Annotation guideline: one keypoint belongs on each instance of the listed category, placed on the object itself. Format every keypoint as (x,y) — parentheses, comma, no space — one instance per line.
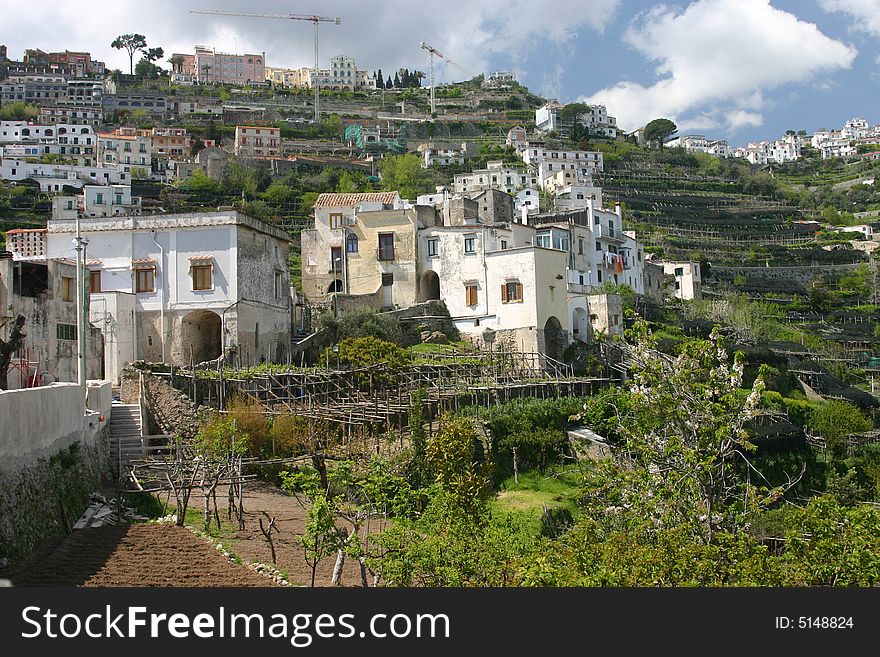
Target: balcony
(608,234)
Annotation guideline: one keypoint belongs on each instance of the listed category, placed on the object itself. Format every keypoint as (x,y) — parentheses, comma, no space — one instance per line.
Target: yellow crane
(293,17)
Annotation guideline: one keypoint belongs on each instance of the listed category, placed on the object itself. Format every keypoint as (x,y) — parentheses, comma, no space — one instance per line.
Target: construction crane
(293,17)
(431,52)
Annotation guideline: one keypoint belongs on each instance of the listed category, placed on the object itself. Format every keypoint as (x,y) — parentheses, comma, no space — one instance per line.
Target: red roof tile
(351,200)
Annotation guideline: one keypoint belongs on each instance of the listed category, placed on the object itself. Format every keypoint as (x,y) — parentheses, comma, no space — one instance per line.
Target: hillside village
(351,265)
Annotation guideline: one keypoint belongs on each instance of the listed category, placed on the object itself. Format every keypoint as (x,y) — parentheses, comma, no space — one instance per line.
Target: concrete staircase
(126,441)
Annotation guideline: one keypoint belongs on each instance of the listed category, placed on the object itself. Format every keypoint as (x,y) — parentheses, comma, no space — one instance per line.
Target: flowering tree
(685,438)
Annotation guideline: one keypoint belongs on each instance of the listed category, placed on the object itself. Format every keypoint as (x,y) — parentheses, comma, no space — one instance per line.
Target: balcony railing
(604,232)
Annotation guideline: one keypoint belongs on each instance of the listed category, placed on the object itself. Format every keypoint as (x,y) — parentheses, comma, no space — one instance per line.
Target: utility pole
(81,317)
(295,17)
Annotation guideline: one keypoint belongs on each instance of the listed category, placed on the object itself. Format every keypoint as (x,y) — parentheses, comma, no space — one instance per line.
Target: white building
(496,175)
(548,118)
(201,285)
(126,147)
(787,149)
(699,143)
(97,201)
(686,283)
(500,80)
(257,141)
(547,162)
(442,155)
(54,177)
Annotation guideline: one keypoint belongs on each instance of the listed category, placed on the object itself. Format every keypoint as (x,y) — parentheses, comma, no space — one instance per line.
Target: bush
(250,418)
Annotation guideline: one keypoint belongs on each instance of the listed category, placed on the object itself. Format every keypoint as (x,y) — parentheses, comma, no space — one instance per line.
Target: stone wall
(801,276)
(166,411)
(53,453)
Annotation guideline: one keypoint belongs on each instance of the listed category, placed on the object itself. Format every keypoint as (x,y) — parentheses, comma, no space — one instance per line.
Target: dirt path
(136,555)
(250,544)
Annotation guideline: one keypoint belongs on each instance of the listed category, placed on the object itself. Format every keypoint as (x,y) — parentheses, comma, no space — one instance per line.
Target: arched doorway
(580,324)
(429,286)
(554,338)
(335,287)
(200,338)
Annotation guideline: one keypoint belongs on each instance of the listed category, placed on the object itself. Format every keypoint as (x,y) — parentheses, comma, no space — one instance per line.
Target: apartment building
(210,66)
(496,175)
(127,147)
(257,141)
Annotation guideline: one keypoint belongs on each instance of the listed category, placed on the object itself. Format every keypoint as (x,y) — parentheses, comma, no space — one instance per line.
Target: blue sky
(740,69)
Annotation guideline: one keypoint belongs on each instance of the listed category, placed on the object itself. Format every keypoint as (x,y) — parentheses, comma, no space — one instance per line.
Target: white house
(547,162)
(202,284)
(496,175)
(53,177)
(127,147)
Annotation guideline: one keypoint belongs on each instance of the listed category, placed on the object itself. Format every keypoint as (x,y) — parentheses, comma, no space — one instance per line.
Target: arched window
(351,243)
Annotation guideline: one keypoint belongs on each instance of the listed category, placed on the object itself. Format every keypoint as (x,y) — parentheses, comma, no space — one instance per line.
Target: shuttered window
(471,295)
(512,292)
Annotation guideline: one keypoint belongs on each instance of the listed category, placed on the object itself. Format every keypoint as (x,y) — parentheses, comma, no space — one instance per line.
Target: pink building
(223,68)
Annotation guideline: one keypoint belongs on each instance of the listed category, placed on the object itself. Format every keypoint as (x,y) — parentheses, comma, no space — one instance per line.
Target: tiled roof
(351,200)
(143,262)
(201,258)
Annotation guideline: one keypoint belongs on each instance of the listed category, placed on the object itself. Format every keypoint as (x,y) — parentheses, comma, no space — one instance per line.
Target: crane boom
(295,17)
(431,52)
(314,19)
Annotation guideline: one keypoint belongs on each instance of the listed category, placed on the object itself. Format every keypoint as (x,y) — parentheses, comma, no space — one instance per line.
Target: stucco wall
(53,453)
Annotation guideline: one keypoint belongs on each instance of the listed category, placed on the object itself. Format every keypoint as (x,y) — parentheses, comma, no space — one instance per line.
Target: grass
(536,490)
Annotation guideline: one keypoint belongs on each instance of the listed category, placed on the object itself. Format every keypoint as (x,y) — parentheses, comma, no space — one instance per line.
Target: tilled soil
(136,555)
(251,545)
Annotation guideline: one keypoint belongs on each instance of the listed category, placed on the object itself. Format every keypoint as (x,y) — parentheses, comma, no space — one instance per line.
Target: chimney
(525,214)
(618,211)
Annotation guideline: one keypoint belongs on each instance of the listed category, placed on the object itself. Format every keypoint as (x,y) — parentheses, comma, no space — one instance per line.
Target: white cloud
(715,59)
(865,13)
(476,34)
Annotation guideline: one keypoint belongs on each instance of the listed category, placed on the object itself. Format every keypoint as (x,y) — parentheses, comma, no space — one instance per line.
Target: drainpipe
(162,294)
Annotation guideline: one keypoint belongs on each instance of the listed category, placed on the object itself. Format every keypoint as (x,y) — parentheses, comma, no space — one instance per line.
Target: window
(598,246)
(279,284)
(433,247)
(68,288)
(144,280)
(202,277)
(679,271)
(386,246)
(387,280)
(543,239)
(580,246)
(99,199)
(351,243)
(511,292)
(503,245)
(65,331)
(470,243)
(335,258)
(471,294)
(95,281)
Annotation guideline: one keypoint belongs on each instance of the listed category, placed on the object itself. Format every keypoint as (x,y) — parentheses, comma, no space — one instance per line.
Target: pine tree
(389,84)
(396,81)
(380,82)
(405,81)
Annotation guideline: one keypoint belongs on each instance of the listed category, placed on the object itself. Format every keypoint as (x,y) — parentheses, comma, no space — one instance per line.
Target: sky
(743,70)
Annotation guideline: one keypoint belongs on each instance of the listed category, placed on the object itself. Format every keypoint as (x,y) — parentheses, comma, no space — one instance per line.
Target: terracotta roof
(92,262)
(16,231)
(201,258)
(143,262)
(351,200)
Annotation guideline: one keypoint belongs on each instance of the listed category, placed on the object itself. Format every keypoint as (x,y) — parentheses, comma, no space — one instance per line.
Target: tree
(380,81)
(835,420)
(659,130)
(686,438)
(176,62)
(131,43)
(10,346)
(389,84)
(18,111)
